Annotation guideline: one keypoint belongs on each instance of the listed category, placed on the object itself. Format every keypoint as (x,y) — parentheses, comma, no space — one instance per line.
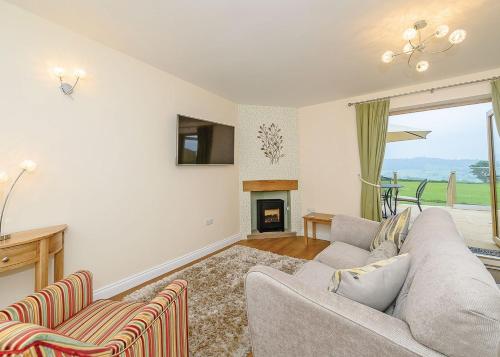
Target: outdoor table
(389,195)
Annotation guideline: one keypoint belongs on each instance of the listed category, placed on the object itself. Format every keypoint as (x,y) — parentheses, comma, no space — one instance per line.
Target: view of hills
(430,168)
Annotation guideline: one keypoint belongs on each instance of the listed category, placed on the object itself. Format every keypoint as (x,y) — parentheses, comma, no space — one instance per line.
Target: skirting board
(134,280)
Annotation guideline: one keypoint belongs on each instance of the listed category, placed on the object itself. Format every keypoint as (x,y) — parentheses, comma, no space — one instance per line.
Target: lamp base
(4,237)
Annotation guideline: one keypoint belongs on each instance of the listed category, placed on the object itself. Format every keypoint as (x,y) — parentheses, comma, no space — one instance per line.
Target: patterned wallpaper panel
(254,165)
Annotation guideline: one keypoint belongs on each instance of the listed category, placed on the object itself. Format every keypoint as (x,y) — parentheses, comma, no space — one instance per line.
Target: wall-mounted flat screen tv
(201,142)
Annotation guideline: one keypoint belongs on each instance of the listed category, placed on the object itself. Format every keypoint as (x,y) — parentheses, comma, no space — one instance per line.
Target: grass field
(435,192)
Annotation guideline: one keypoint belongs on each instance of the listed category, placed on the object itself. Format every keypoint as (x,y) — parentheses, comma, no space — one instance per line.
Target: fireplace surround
(286,190)
(270,215)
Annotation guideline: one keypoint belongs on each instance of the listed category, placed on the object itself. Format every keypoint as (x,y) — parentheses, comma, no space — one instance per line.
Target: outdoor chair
(418,195)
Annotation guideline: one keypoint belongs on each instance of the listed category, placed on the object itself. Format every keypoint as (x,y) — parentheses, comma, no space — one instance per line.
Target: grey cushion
(353,230)
(375,285)
(315,274)
(385,250)
(341,255)
(449,300)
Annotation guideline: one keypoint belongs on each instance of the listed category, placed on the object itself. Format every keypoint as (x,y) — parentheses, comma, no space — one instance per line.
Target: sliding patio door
(494,155)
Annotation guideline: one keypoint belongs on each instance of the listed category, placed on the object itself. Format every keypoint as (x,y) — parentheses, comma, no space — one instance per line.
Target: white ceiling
(282,52)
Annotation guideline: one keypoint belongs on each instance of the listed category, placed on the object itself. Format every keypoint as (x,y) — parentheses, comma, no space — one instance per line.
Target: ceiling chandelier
(419,44)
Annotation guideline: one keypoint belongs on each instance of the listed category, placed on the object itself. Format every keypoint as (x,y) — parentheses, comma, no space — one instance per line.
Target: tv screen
(201,142)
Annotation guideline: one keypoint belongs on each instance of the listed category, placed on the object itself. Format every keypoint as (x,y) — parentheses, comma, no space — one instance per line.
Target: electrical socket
(209,221)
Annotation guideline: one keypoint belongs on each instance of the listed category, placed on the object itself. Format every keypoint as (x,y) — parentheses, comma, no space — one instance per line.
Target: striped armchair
(62,320)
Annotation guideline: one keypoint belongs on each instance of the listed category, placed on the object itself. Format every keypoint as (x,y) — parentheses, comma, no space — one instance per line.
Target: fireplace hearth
(270,215)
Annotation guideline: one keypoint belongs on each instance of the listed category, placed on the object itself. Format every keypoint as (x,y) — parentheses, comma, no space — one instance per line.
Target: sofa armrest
(24,339)
(164,320)
(353,230)
(288,318)
(54,304)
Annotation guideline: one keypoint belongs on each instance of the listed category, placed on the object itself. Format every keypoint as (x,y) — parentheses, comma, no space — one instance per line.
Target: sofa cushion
(99,322)
(385,250)
(394,229)
(375,285)
(450,301)
(340,255)
(315,274)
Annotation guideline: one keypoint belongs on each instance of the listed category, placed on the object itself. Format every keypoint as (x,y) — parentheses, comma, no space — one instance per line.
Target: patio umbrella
(403,133)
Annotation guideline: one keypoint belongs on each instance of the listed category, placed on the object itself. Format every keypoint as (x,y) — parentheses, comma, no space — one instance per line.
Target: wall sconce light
(67,88)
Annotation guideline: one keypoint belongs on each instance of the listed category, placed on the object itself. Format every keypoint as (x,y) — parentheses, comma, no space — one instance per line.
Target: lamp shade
(28,165)
(4,177)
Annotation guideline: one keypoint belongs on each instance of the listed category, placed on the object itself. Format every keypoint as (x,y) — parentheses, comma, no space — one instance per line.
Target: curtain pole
(431,90)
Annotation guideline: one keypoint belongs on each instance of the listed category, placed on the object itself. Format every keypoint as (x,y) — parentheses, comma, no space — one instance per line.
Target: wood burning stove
(270,215)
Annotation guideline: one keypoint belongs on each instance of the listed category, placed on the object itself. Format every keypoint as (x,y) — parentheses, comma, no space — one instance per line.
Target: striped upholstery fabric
(100,321)
(23,339)
(159,329)
(105,328)
(56,303)
(393,229)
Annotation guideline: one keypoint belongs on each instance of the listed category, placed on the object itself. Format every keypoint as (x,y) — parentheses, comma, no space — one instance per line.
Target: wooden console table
(315,218)
(34,247)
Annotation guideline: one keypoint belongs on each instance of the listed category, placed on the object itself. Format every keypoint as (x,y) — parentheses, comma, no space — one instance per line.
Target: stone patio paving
(473,222)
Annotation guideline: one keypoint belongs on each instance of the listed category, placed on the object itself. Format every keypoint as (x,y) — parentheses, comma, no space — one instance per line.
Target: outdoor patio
(473,222)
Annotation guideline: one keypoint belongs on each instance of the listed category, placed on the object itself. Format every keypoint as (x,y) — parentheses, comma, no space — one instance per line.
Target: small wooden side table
(34,247)
(315,218)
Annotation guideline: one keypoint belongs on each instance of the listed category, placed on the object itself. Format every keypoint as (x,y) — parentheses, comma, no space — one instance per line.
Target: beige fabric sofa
(449,303)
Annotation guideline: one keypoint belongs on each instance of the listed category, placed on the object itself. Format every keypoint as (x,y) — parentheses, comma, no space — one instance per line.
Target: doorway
(457,158)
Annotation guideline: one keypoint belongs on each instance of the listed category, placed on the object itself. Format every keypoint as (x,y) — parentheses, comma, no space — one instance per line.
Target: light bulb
(442,30)
(80,73)
(58,71)
(28,165)
(4,177)
(457,36)
(422,66)
(409,34)
(408,48)
(388,56)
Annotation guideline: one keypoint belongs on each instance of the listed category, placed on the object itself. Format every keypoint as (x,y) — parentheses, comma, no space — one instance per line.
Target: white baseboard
(133,280)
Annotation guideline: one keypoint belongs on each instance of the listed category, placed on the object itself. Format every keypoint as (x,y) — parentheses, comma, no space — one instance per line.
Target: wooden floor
(290,246)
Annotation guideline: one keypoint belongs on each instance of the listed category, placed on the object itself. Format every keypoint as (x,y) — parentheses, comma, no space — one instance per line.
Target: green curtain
(495,95)
(371,119)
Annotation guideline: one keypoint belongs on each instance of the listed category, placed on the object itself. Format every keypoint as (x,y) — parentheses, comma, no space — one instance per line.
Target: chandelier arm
(441,51)
(428,38)
(409,58)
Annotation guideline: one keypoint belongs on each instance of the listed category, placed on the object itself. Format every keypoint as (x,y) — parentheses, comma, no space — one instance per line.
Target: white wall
(328,150)
(106,156)
(255,166)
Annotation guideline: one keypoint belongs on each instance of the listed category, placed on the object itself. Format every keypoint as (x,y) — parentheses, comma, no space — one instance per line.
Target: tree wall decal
(272,142)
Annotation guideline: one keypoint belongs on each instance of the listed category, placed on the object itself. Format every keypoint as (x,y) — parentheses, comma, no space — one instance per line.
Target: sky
(457,133)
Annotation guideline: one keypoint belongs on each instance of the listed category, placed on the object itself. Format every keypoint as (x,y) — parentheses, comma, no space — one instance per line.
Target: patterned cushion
(56,303)
(100,321)
(387,249)
(375,285)
(33,340)
(393,229)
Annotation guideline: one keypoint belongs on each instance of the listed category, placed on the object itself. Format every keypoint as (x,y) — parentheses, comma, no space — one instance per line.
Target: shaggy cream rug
(216,300)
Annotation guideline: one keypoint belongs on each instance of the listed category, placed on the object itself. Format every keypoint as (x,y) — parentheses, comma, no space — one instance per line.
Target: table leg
(42,265)
(314,230)
(305,230)
(59,265)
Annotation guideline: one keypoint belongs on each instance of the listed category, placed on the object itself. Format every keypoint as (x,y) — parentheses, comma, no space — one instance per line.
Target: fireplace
(270,215)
